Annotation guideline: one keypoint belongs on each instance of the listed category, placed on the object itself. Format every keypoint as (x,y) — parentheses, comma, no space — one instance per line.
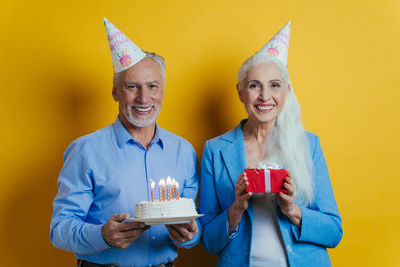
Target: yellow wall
(56,86)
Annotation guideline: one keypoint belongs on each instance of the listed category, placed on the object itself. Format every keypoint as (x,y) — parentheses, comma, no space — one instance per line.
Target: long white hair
(287,143)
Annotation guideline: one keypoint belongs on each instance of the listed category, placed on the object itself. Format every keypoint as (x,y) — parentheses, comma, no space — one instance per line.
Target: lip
(142,110)
(264,108)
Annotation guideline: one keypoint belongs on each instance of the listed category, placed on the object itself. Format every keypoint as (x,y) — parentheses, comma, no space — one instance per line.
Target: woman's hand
(241,202)
(286,202)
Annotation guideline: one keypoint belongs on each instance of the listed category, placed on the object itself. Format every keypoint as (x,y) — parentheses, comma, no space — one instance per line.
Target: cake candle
(177,190)
(162,184)
(152,190)
(169,188)
(173,188)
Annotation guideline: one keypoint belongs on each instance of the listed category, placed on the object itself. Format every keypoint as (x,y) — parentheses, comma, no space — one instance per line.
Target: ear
(289,87)
(114,94)
(239,92)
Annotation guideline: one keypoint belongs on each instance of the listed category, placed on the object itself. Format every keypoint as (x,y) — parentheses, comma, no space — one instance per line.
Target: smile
(142,109)
(265,107)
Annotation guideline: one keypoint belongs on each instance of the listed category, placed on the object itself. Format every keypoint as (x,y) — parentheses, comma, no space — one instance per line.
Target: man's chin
(141,122)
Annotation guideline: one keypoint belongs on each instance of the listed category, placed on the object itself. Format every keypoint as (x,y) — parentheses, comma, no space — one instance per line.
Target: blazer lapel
(233,155)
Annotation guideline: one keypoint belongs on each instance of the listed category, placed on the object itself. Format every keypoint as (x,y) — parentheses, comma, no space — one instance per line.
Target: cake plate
(166,220)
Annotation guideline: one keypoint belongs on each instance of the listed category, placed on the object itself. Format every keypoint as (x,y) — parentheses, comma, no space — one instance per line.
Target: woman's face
(263,92)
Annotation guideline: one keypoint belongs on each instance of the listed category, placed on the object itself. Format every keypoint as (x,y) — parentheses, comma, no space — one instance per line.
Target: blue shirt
(108,172)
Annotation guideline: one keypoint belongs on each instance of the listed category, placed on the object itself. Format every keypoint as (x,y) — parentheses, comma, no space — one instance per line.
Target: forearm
(77,237)
(234,217)
(295,215)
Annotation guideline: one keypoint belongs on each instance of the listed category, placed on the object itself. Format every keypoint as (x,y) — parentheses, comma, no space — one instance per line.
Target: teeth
(141,109)
(264,107)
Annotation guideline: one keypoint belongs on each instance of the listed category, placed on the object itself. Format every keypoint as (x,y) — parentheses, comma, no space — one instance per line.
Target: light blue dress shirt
(108,172)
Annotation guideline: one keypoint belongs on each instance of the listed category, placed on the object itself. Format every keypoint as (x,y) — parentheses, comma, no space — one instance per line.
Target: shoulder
(92,140)
(314,144)
(218,142)
(172,140)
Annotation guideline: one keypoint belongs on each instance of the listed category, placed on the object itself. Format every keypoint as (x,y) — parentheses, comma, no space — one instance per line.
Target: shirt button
(289,248)
(153,237)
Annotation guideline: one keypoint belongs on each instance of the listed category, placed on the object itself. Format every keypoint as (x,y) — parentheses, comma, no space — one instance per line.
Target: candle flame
(173,181)
(177,185)
(161,182)
(169,180)
(153,184)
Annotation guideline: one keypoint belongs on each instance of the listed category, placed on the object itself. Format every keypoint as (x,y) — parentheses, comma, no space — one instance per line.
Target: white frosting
(183,207)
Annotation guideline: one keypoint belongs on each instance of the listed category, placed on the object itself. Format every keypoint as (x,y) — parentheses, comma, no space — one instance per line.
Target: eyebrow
(155,81)
(136,83)
(270,81)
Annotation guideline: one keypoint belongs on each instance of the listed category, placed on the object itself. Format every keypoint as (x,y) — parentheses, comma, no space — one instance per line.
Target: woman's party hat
(278,46)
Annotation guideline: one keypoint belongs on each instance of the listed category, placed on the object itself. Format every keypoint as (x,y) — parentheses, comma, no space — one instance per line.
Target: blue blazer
(223,160)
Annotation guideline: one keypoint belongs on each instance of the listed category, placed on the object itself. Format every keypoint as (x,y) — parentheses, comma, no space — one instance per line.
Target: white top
(267,248)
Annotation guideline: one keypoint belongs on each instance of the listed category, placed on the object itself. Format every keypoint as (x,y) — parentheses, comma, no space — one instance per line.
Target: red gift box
(266,180)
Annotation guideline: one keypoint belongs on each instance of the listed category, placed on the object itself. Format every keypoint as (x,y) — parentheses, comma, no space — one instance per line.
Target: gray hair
(287,144)
(157,58)
(259,59)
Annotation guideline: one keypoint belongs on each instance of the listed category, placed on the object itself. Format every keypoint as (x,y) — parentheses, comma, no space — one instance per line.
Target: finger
(192,227)
(126,226)
(119,217)
(242,187)
(289,188)
(174,235)
(245,196)
(285,198)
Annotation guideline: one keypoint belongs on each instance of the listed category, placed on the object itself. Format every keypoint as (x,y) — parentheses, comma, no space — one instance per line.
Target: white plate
(166,220)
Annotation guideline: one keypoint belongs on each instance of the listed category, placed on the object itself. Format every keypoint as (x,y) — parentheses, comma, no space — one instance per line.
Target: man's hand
(120,234)
(184,232)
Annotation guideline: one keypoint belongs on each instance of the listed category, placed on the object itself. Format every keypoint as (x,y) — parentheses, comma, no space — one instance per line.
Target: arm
(68,229)
(215,220)
(321,223)
(188,235)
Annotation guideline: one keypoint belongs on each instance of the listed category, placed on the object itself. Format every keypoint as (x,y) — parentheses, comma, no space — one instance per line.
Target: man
(107,172)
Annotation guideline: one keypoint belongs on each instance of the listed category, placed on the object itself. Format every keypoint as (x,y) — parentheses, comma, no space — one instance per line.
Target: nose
(143,96)
(265,93)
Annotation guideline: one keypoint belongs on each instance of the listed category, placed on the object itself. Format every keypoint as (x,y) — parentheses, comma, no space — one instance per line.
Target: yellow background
(56,78)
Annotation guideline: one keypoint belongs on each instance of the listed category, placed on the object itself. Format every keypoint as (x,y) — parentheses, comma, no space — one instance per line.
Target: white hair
(287,144)
(158,59)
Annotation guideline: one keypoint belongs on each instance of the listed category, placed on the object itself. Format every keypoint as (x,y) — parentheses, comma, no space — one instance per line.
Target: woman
(285,229)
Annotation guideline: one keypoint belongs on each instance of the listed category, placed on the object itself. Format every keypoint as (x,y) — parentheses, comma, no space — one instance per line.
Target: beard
(141,121)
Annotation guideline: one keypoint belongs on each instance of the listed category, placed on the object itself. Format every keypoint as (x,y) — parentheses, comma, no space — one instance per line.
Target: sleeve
(190,189)
(321,222)
(215,220)
(68,229)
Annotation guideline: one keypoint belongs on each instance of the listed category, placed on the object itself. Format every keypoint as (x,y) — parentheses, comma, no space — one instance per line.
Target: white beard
(141,122)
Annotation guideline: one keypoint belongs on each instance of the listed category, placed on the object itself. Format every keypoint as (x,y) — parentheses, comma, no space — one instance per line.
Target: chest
(255,152)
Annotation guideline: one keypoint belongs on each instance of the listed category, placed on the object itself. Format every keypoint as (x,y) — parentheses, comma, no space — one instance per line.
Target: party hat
(278,46)
(124,52)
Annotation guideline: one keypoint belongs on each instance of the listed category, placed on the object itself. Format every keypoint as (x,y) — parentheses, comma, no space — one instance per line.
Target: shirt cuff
(95,235)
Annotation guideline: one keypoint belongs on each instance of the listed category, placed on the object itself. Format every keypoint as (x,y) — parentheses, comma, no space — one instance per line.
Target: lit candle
(177,190)
(169,188)
(159,191)
(162,183)
(153,184)
(173,188)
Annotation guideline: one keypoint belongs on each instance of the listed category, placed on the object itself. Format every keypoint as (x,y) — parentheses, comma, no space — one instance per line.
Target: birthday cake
(182,207)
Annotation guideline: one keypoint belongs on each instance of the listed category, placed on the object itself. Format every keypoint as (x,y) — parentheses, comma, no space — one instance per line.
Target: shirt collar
(123,136)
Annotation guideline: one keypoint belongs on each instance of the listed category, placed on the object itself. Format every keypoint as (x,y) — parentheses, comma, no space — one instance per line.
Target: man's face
(140,92)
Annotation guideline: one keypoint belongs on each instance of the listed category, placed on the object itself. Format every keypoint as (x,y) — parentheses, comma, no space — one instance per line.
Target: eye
(276,85)
(153,86)
(253,85)
(132,86)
